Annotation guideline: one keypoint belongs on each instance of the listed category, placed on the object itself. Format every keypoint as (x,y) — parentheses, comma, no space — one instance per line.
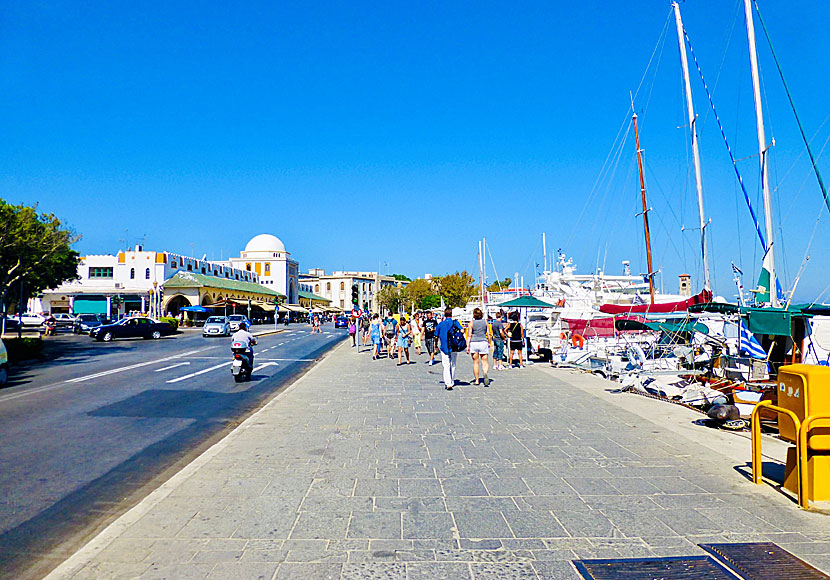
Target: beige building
(337,287)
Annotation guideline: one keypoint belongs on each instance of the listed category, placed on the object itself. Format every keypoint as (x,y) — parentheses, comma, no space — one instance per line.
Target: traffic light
(355,299)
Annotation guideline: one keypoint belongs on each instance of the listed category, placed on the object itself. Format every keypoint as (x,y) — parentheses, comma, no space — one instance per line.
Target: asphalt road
(88,434)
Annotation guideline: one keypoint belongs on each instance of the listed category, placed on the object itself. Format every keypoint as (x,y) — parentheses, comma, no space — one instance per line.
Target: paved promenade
(368,470)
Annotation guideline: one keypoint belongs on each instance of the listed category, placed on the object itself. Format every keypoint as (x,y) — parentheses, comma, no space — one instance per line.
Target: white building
(266,256)
(337,287)
(127,282)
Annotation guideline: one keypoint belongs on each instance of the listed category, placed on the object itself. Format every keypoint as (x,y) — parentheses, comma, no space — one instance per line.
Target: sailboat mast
(769,260)
(695,153)
(545,253)
(645,209)
(480,281)
(484,266)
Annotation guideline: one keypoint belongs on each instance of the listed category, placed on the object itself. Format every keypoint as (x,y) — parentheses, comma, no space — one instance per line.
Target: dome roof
(265,243)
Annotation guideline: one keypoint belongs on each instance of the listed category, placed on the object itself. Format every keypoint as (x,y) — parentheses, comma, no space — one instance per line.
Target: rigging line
(801,154)
(803,183)
(725,52)
(660,41)
(795,112)
(493,263)
(726,142)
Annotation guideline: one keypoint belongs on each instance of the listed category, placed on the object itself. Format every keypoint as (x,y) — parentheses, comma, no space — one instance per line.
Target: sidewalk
(363,469)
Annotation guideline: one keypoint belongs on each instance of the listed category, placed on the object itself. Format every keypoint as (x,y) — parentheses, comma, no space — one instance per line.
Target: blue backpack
(455,338)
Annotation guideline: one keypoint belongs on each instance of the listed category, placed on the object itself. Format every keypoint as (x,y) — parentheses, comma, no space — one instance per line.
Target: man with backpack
(451,336)
(390,330)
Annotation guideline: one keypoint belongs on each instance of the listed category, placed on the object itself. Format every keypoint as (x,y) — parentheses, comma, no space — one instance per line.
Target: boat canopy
(665,326)
(715,307)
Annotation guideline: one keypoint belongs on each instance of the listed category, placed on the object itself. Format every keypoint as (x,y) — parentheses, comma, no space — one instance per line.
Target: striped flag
(748,345)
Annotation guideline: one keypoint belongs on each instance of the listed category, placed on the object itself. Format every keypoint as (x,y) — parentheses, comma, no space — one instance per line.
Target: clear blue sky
(402,133)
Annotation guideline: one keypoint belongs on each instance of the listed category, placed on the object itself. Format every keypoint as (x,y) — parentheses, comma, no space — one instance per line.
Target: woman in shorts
(479,337)
(517,339)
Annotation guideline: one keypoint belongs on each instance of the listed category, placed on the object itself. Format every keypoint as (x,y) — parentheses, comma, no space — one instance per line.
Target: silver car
(235,319)
(217,326)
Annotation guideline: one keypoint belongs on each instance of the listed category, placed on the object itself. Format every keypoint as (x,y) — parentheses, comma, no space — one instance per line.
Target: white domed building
(266,256)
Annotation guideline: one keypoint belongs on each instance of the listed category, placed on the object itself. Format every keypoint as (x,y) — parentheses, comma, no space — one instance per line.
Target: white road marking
(262,366)
(171,367)
(131,367)
(201,372)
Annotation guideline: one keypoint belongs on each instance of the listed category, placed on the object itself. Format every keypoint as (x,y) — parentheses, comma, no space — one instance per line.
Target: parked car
(4,364)
(30,319)
(136,327)
(11,324)
(235,319)
(64,320)
(86,322)
(341,322)
(217,326)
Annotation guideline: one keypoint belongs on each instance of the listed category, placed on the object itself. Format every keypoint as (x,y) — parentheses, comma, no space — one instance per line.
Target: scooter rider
(249,340)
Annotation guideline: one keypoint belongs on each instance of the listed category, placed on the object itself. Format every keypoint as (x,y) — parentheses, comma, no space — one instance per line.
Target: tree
(457,289)
(416,291)
(35,250)
(401,277)
(498,286)
(390,298)
(430,302)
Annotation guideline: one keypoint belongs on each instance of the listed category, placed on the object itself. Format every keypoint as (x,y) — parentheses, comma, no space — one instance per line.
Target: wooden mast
(645,209)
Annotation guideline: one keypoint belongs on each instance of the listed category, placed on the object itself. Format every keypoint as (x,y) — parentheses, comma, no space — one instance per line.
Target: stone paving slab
(364,469)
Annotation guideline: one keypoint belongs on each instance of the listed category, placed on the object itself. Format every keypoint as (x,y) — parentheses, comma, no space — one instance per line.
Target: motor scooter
(51,327)
(241,367)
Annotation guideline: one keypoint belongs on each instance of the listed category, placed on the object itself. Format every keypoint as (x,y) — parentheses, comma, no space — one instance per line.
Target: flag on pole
(748,345)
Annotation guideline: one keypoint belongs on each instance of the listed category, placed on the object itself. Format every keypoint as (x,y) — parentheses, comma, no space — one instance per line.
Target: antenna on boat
(645,205)
(769,258)
(695,153)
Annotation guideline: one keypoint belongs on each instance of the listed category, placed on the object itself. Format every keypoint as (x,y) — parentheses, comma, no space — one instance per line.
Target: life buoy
(578,341)
(636,354)
(563,336)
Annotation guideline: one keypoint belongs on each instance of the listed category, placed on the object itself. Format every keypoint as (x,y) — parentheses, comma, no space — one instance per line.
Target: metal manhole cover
(764,561)
(674,568)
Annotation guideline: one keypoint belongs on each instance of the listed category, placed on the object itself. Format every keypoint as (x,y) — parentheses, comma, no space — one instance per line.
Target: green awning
(524,302)
(674,327)
(768,321)
(312,296)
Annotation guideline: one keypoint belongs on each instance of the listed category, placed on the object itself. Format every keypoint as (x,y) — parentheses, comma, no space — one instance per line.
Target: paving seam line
(721,442)
(113,531)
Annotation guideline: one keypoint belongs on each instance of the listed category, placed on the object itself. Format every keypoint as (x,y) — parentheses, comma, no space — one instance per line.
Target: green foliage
(20,349)
(430,302)
(401,277)
(390,298)
(497,286)
(174,322)
(35,249)
(457,289)
(416,291)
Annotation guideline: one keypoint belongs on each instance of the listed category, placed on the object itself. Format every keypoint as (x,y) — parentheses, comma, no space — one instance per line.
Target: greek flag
(749,345)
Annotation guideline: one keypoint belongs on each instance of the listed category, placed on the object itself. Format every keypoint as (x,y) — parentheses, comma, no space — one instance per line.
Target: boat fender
(724,413)
(635,353)
(578,341)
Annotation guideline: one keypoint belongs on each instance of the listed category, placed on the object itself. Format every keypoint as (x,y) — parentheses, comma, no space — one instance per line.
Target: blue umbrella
(201,309)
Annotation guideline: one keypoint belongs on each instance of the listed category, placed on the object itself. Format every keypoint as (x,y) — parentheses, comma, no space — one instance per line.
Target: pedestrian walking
(478,346)
(497,330)
(403,337)
(390,331)
(376,331)
(353,331)
(417,331)
(429,336)
(448,357)
(315,324)
(364,328)
(517,339)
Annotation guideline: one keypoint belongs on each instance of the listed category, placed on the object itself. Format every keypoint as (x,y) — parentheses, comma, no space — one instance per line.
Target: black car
(341,322)
(86,322)
(137,327)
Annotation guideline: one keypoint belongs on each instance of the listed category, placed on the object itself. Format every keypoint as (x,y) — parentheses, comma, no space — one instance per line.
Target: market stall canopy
(294,308)
(524,302)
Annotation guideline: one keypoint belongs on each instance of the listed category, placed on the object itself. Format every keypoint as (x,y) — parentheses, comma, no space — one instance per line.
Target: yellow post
(757,465)
(755,426)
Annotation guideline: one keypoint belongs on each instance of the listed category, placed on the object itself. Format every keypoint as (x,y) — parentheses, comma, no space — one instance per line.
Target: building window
(328,287)
(189,268)
(147,274)
(248,267)
(100,272)
(316,288)
(173,265)
(342,286)
(267,268)
(132,273)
